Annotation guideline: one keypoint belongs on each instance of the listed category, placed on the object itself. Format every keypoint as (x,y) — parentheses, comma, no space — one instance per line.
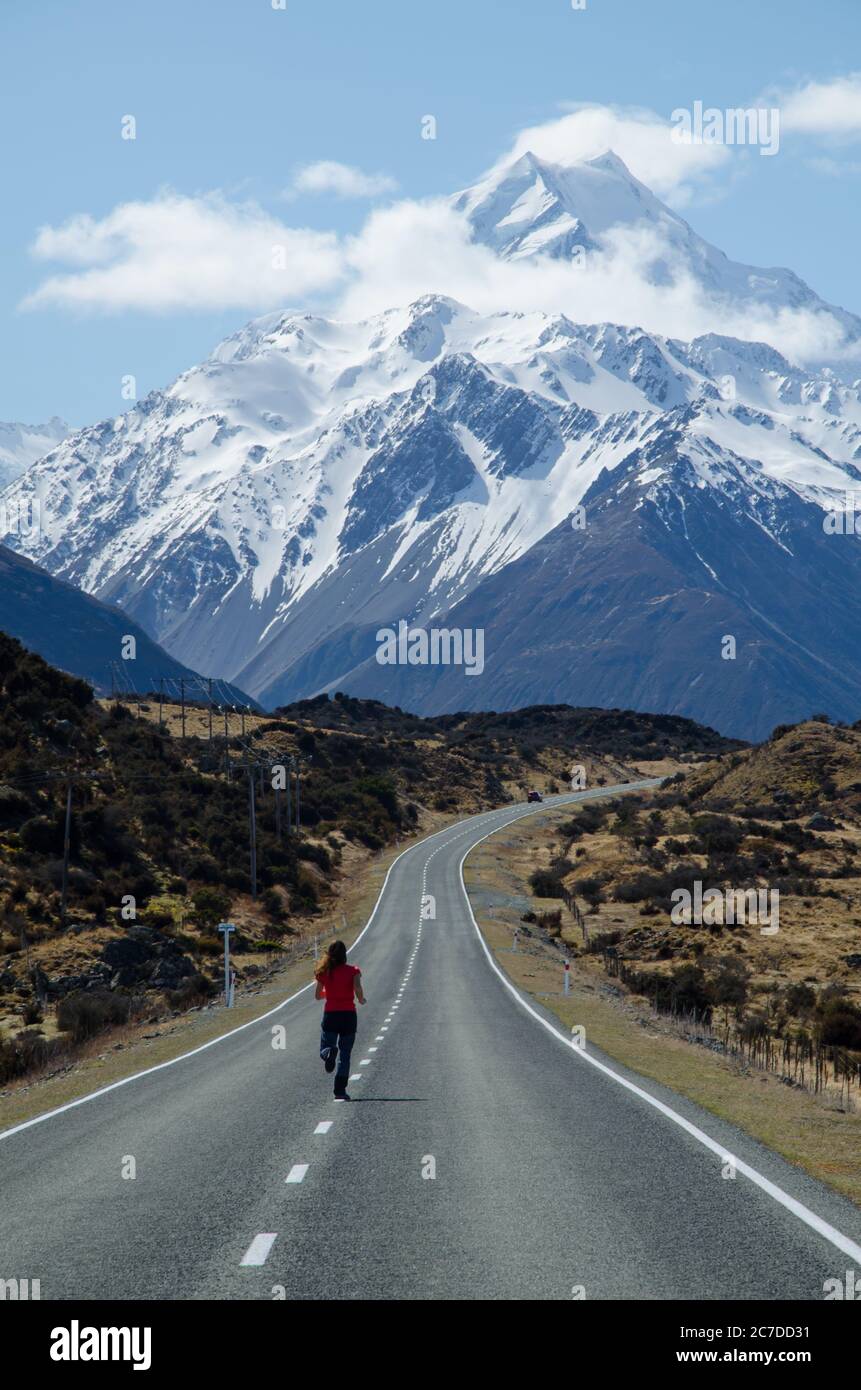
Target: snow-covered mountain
(315,480)
(530,208)
(21,445)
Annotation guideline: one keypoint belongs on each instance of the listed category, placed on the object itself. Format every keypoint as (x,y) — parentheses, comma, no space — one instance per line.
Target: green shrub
(592,889)
(273,903)
(41,835)
(840,1024)
(799,998)
(29,1052)
(197,989)
(89,1012)
(211,906)
(546,884)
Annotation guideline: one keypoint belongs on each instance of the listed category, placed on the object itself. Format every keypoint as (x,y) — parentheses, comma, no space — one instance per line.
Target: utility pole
(252,831)
(161,702)
(210,709)
(67,840)
(182,701)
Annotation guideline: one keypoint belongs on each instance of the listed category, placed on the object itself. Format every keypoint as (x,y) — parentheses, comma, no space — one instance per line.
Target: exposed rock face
(142,959)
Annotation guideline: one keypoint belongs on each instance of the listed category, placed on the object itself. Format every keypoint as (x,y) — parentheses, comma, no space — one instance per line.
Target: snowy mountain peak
(21,445)
(531,208)
(521,210)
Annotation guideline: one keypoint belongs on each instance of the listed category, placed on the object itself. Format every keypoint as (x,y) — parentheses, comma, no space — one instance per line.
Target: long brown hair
(335,954)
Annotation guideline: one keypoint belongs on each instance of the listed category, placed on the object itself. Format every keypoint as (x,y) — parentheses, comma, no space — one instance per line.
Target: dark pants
(339,1030)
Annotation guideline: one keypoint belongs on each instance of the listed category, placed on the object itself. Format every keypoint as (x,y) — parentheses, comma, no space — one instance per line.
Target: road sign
(227,928)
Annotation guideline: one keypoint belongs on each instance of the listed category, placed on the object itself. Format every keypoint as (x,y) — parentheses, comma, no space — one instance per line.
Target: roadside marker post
(567,976)
(227,928)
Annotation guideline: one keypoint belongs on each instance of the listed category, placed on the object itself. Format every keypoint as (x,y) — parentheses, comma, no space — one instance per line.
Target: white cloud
(641,138)
(824,108)
(416,248)
(176,252)
(343,180)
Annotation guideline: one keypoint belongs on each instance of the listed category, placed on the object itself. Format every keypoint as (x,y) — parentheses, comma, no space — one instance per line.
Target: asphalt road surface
(555,1170)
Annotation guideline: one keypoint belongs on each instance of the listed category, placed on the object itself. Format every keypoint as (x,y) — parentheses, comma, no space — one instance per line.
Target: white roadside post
(227,928)
(567,975)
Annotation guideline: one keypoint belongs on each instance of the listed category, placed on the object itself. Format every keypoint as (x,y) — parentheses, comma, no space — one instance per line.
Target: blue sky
(231,97)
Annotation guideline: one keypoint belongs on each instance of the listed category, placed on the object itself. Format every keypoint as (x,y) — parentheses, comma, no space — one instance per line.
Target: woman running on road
(340,985)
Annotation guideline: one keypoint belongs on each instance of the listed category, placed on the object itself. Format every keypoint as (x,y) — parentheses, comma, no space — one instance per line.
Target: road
(555,1172)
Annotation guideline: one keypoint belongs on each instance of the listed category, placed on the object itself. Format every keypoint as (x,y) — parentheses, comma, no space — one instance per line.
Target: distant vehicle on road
(535,796)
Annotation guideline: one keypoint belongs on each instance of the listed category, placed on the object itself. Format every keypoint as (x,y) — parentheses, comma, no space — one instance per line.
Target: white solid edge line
(824,1228)
(172,1062)
(183,1056)
(258,1250)
(297,1172)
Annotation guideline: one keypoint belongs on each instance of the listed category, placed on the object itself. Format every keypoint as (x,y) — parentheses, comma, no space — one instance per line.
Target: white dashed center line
(259,1249)
(297,1172)
(323,1127)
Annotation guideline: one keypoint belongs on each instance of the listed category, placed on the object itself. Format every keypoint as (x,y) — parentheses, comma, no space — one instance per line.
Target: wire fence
(798,1058)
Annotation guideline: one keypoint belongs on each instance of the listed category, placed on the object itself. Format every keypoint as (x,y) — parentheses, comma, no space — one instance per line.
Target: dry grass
(196,718)
(796,764)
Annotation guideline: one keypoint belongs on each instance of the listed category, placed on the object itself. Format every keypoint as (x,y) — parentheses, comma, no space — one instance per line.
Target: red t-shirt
(339,989)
